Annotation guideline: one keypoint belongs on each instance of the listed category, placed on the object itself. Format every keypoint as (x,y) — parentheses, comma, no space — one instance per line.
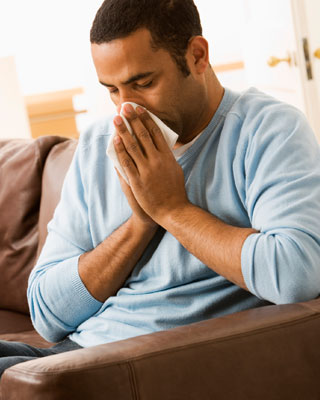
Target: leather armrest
(271,352)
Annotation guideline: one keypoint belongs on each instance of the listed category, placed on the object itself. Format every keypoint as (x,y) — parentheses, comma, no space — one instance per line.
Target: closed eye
(144,85)
(113,90)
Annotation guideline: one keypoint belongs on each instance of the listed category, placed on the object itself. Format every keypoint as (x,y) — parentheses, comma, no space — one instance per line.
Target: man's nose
(128,98)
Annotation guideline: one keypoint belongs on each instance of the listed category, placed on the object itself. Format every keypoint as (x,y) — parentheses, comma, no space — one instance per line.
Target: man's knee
(17,349)
(8,349)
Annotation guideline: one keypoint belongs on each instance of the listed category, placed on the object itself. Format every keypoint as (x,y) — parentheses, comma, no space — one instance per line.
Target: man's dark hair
(171,24)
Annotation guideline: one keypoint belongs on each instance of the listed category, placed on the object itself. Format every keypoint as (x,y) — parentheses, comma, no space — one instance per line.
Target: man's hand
(138,215)
(155,177)
(157,184)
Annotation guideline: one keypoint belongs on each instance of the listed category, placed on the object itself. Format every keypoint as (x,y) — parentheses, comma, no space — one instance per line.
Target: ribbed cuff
(72,302)
(247,262)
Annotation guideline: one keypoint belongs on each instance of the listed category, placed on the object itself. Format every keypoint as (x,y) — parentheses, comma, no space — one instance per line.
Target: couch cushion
(21,165)
(28,337)
(18,327)
(13,322)
(56,167)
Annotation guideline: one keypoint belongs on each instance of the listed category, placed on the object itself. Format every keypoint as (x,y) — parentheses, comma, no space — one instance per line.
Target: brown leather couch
(269,353)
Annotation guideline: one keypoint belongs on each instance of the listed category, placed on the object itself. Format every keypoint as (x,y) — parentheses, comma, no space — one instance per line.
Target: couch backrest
(21,166)
(54,172)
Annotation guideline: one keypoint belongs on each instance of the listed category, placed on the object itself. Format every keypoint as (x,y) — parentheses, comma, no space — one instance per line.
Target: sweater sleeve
(281,264)
(58,299)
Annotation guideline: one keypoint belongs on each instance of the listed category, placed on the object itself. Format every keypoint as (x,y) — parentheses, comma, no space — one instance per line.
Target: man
(225,222)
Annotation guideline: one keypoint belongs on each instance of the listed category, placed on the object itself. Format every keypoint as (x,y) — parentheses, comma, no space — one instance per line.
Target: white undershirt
(182,149)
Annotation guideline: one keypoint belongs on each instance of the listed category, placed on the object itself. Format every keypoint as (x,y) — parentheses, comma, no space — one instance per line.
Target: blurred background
(48,84)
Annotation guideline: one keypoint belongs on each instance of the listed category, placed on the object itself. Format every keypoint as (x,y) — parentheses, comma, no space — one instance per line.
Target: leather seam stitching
(133,381)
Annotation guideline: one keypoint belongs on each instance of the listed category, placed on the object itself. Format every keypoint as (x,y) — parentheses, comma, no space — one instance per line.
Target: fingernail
(116,140)
(140,110)
(128,108)
(118,120)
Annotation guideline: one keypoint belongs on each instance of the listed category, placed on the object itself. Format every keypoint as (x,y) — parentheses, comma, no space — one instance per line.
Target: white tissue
(170,137)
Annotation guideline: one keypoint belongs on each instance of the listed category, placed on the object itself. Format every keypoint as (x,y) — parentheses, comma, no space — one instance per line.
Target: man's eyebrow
(130,80)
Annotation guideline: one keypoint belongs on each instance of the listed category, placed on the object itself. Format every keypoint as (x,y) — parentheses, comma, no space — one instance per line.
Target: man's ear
(198,52)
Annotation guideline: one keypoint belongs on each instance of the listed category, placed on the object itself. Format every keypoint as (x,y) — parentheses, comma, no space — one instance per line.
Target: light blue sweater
(257,164)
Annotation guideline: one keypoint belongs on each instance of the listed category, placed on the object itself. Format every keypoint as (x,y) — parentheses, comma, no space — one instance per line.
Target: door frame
(309,86)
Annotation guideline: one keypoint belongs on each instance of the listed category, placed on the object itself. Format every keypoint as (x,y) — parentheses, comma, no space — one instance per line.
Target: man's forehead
(120,70)
(118,54)
(125,58)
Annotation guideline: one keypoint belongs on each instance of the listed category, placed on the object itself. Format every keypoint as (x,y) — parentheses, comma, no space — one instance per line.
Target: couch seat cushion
(18,328)
(28,337)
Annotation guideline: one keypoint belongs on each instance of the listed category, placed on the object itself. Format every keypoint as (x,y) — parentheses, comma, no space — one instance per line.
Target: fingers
(134,150)
(125,187)
(123,183)
(146,130)
(153,129)
(130,142)
(125,160)
(141,132)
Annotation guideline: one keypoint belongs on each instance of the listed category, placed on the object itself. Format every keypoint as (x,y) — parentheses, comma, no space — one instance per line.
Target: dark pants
(12,353)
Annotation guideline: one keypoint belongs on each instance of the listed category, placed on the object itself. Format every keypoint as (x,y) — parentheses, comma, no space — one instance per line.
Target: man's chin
(171,125)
